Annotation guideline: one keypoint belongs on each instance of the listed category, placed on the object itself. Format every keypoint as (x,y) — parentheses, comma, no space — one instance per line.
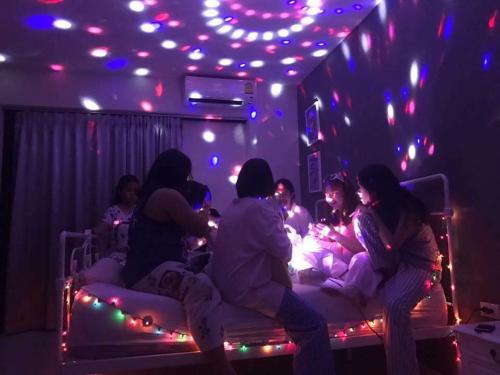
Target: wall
(442,115)
(273,129)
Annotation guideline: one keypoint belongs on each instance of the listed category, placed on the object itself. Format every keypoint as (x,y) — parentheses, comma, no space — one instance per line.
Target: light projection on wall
(230,37)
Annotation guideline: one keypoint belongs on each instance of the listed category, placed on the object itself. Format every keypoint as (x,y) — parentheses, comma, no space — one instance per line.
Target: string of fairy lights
(147,322)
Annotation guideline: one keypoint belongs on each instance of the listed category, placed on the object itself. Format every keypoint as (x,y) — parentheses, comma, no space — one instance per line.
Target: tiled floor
(35,354)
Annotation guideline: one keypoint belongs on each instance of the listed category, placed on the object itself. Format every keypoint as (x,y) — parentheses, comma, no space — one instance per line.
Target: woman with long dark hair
(394,229)
(340,195)
(155,262)
(251,252)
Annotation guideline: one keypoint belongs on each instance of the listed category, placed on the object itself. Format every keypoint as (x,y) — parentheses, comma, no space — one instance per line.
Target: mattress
(107,320)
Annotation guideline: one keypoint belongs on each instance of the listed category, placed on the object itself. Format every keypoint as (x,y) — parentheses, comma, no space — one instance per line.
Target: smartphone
(484,328)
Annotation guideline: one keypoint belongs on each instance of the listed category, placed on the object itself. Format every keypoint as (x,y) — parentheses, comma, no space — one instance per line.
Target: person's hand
(321,232)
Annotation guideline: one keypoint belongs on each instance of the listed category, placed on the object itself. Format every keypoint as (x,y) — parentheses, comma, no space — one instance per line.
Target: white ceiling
(36,35)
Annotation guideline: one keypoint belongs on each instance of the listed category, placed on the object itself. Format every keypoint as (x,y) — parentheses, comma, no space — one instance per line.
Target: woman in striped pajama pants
(394,230)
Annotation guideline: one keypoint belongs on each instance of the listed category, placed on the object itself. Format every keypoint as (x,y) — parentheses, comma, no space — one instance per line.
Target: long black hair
(389,197)
(170,170)
(255,180)
(121,185)
(195,193)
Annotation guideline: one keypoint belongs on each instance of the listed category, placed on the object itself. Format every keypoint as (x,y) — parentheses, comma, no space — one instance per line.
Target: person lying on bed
(394,228)
(296,216)
(249,267)
(155,262)
(124,201)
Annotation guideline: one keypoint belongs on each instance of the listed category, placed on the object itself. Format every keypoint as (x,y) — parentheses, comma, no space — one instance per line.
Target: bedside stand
(480,352)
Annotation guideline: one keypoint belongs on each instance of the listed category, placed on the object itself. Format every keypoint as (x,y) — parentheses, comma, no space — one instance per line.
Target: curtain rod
(183,116)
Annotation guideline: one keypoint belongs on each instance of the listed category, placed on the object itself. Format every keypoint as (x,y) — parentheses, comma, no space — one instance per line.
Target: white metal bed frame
(86,366)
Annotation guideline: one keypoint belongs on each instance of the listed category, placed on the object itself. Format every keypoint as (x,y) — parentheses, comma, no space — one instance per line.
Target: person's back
(421,249)
(250,235)
(151,243)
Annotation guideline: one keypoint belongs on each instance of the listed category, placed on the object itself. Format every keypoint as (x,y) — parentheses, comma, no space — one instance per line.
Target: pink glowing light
(392,31)
(219,68)
(411,107)
(306,44)
(192,68)
(185,48)
(236,45)
(150,2)
(94,30)
(431,150)
(271,49)
(291,72)
(159,89)
(236,6)
(50,2)
(250,12)
(162,17)
(336,96)
(259,80)
(56,67)
(404,166)
(143,54)
(441,26)
(284,15)
(174,23)
(493,21)
(203,37)
(266,16)
(242,74)
(146,106)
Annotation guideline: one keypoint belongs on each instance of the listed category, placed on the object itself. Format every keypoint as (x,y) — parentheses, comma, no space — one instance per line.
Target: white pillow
(106,270)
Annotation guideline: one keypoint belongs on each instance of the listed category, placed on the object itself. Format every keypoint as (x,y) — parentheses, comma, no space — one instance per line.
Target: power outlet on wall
(493,310)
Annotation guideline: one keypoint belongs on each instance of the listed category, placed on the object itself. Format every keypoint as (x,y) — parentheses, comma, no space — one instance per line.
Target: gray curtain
(67,167)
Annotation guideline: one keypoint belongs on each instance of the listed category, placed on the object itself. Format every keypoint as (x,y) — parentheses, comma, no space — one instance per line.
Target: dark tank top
(151,243)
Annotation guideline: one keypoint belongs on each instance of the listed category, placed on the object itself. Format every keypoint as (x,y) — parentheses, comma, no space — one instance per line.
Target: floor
(34,354)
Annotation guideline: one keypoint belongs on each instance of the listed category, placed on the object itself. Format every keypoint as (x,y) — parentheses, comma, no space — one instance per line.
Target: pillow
(105,270)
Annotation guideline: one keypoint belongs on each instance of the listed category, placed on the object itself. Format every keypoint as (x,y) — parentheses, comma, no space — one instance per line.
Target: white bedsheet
(102,326)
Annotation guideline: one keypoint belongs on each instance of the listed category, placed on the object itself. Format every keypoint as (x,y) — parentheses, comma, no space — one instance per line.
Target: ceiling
(260,39)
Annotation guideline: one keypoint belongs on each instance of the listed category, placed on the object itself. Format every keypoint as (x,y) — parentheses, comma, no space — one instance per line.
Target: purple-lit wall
(374,107)
(275,126)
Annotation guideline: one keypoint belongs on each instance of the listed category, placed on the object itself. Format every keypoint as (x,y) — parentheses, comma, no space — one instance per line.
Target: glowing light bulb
(414,73)
(90,104)
(289,61)
(225,62)
(99,52)
(283,33)
(208,136)
(320,53)
(196,55)
(169,44)
(276,89)
(136,6)
(212,3)
(257,64)
(141,72)
(412,152)
(62,24)
(149,27)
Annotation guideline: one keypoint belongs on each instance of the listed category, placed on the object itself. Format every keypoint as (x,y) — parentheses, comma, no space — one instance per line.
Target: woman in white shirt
(250,259)
(296,216)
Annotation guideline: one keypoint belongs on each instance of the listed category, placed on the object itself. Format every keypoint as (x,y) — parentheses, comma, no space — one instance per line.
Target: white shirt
(299,219)
(250,235)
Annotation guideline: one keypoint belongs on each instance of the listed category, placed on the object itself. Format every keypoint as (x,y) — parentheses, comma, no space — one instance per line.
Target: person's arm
(347,242)
(175,206)
(271,230)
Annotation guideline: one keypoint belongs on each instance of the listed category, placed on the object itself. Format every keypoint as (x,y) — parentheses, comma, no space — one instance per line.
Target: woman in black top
(155,261)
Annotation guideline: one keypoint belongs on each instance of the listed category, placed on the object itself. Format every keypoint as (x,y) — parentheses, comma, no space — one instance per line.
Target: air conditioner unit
(206,91)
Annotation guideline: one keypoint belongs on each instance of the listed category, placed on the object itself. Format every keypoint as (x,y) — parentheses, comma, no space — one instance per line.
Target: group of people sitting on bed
(376,244)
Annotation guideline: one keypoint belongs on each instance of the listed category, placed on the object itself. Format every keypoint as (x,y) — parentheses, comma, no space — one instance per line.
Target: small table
(480,352)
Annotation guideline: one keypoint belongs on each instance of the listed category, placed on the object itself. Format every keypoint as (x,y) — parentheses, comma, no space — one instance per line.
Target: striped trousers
(399,295)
